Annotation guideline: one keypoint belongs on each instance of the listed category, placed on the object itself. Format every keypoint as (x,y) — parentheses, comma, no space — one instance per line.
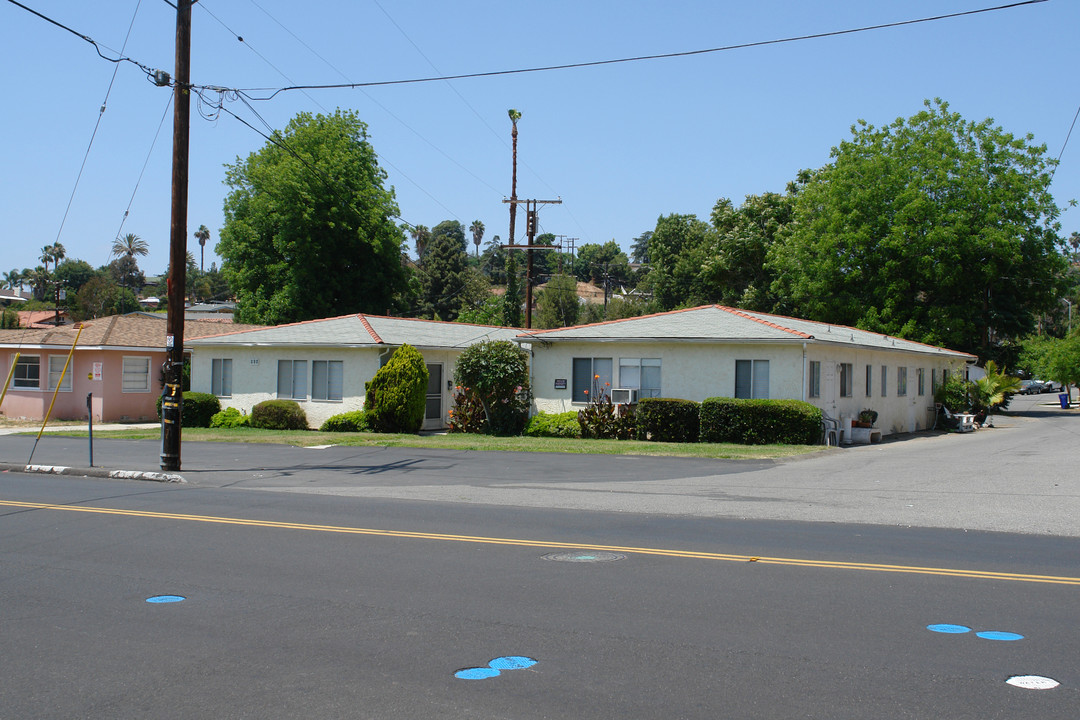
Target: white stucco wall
(254,376)
(896,413)
(691,371)
(695,371)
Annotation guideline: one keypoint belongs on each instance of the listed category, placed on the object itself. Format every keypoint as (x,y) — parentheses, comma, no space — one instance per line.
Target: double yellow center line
(553,545)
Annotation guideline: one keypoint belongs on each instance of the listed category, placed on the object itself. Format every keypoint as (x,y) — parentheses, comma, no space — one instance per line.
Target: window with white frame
(847,372)
(592,378)
(884,381)
(901,381)
(869,381)
(642,374)
(292,379)
(56,369)
(221,377)
(326,379)
(136,374)
(752,378)
(920,377)
(27,373)
(814,389)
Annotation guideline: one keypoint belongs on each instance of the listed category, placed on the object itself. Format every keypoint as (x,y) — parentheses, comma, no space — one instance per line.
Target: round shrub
(496,372)
(196,409)
(279,415)
(396,398)
(355,421)
(229,418)
(560,425)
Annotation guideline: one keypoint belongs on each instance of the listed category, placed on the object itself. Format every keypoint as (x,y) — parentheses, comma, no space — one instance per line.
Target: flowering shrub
(601,418)
(467,415)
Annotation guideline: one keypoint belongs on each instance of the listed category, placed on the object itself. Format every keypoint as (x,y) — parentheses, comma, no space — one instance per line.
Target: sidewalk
(84,470)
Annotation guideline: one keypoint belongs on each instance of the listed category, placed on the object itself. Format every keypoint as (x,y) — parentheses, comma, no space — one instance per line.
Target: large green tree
(309,228)
(678,250)
(735,268)
(558,303)
(933,228)
(444,271)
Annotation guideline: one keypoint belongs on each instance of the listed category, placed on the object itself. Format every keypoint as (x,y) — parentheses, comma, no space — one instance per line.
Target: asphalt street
(912,579)
(1019,476)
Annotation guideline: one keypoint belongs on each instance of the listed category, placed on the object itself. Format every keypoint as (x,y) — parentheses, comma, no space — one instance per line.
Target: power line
(101,114)
(639,58)
(1064,144)
(97,46)
(146,162)
(381,157)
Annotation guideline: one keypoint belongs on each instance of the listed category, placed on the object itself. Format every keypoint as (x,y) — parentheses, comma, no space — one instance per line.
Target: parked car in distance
(1030,387)
(1052,386)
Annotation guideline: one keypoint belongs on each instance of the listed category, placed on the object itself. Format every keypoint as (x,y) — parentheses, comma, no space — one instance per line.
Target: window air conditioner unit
(624,396)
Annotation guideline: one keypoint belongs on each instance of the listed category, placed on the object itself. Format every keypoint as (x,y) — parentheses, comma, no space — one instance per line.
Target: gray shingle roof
(716,323)
(363,331)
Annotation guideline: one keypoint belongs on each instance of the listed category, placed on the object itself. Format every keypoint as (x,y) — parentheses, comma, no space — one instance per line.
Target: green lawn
(470,442)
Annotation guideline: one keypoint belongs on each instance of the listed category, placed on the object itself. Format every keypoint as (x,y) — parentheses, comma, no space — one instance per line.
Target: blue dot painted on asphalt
(512,662)
(950,629)
(476,673)
(165,599)
(999,635)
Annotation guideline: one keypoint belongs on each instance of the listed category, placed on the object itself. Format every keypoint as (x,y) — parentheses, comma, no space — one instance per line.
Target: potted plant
(866,419)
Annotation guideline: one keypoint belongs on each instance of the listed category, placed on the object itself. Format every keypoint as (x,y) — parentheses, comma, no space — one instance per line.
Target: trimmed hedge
(559,425)
(355,421)
(668,420)
(396,396)
(229,418)
(279,415)
(760,422)
(196,409)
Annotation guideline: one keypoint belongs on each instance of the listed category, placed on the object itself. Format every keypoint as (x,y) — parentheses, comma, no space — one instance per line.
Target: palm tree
(13,279)
(59,252)
(202,235)
(477,230)
(420,235)
(130,245)
(39,280)
(46,257)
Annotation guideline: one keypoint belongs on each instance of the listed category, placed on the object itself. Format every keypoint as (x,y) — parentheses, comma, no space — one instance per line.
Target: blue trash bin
(1064,398)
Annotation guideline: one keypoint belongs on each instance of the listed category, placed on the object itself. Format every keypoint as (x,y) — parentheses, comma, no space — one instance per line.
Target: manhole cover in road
(1033,682)
(584,556)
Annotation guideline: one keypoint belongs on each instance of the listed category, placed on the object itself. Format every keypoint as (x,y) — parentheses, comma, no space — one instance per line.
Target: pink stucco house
(117,361)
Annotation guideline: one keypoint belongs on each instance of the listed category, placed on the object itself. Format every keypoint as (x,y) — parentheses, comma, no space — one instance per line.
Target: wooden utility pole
(172,395)
(532,223)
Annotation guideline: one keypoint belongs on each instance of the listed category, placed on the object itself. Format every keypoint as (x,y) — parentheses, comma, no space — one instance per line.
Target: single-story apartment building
(117,359)
(717,351)
(324,364)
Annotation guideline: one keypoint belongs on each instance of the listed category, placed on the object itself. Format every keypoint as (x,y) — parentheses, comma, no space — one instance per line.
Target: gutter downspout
(804,371)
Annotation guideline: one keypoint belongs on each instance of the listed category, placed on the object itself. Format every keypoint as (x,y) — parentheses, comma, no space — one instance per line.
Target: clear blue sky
(621,144)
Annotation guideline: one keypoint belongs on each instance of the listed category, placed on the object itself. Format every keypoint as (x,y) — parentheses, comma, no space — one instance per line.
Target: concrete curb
(93,472)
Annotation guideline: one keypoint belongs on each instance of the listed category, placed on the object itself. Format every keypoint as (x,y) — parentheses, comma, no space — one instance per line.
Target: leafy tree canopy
(309,228)
(558,303)
(932,228)
(444,272)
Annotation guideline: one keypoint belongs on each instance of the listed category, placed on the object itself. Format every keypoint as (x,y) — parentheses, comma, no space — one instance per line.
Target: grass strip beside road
(454,441)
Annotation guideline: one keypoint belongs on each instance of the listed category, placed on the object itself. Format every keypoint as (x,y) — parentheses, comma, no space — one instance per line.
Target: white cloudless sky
(620,144)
